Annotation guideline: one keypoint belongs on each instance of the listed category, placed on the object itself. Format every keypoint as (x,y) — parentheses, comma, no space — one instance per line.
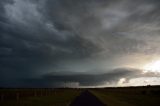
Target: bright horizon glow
(152,67)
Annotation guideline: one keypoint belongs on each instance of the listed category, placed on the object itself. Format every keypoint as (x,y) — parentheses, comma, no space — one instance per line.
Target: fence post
(17,96)
(2,97)
(35,93)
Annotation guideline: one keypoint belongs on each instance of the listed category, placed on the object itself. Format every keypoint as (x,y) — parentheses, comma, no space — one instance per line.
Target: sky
(79,43)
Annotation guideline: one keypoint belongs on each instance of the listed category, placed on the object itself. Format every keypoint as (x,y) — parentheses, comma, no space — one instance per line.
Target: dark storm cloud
(83,79)
(35,34)
(27,43)
(112,24)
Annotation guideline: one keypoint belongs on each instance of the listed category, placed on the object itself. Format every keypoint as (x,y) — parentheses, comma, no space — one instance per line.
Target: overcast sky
(78,43)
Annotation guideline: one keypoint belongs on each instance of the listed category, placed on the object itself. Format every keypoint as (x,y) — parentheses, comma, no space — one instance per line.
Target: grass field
(127,96)
(139,96)
(55,97)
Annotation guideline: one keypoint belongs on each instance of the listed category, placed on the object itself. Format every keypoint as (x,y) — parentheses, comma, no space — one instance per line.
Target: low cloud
(38,37)
(114,77)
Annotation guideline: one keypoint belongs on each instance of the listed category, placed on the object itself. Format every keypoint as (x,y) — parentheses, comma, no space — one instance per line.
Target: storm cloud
(90,38)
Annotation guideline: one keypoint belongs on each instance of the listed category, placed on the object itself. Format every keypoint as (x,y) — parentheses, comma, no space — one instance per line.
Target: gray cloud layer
(38,37)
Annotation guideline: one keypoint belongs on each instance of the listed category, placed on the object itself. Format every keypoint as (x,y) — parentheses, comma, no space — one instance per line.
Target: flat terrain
(127,96)
(86,98)
(131,96)
(38,97)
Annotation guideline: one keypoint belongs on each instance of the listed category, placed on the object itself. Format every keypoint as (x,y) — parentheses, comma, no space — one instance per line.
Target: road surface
(86,98)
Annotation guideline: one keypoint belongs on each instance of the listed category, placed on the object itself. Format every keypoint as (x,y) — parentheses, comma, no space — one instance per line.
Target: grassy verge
(60,98)
(126,99)
(109,99)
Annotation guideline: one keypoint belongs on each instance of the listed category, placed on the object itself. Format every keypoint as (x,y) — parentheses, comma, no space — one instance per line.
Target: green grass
(60,98)
(110,99)
(127,98)
(137,96)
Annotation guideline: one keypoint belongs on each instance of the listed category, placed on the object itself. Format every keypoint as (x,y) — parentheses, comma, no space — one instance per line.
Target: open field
(125,96)
(37,97)
(133,96)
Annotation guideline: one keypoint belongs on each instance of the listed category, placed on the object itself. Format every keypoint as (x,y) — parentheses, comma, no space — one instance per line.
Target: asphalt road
(86,98)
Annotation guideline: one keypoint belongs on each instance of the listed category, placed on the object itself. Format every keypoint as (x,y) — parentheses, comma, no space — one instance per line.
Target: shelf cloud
(87,39)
